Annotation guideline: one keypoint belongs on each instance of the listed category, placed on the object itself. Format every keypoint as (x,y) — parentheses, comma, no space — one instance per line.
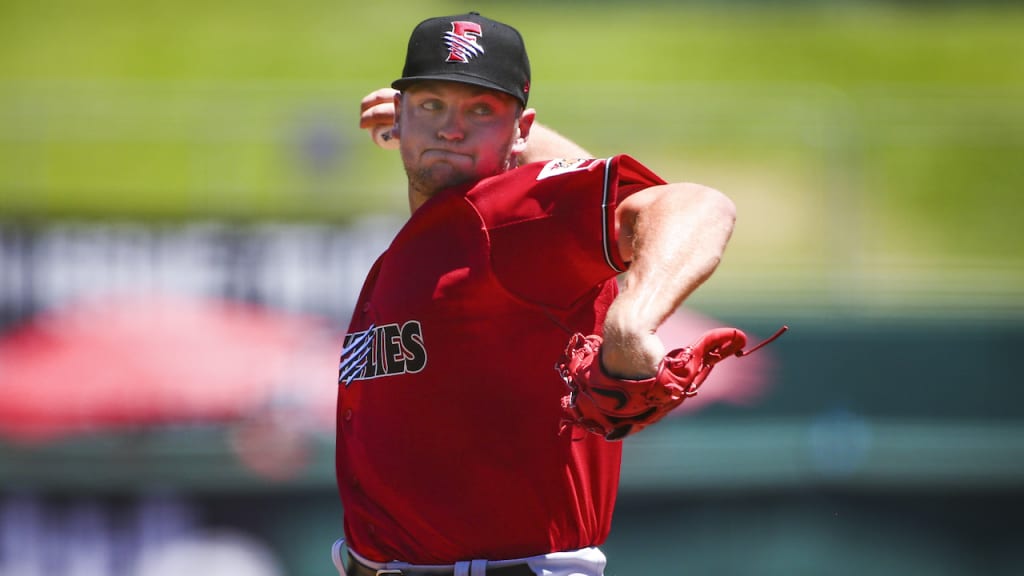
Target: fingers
(379,115)
(377,108)
(377,97)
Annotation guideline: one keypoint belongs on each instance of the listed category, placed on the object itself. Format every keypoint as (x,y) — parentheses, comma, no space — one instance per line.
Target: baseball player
(461,450)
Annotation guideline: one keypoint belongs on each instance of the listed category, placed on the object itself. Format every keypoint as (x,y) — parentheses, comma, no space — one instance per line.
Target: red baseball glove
(615,407)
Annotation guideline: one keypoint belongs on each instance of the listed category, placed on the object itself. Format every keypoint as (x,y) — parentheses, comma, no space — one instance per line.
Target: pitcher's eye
(482,110)
(431,104)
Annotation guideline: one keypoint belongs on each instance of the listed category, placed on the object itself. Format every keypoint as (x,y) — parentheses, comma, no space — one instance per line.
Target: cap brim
(403,83)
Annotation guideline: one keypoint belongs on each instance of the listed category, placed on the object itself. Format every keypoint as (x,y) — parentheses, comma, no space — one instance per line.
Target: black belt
(357,568)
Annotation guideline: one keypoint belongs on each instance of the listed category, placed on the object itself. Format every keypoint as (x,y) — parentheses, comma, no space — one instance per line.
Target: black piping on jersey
(606,221)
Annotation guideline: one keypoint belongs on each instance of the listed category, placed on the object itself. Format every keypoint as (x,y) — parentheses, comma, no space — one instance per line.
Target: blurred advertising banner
(302,268)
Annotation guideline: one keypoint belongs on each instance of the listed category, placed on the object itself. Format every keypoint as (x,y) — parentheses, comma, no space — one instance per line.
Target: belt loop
(462,569)
(478,568)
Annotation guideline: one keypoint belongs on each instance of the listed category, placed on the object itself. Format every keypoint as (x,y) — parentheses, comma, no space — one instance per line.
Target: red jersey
(449,406)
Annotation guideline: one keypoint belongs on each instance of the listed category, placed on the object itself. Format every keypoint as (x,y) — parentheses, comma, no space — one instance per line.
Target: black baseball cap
(471,49)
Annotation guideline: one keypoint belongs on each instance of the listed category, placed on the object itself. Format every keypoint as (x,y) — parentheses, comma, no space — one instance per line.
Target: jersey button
(347,415)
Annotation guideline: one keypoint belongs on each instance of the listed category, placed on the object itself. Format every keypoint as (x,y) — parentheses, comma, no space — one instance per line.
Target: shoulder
(621,167)
(563,168)
(538,174)
(539,188)
(534,190)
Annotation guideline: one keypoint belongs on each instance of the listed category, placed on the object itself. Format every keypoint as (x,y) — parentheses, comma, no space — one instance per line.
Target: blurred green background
(875,151)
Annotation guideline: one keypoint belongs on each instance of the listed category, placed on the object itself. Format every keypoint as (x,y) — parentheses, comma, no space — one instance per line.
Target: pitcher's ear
(523,126)
(398,114)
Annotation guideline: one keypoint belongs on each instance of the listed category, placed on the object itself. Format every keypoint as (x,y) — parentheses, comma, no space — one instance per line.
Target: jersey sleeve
(551,225)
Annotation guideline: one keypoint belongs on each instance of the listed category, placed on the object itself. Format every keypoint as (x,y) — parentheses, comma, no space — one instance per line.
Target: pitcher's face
(452,133)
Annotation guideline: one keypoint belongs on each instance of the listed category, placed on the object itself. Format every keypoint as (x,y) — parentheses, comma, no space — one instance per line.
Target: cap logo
(461,41)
